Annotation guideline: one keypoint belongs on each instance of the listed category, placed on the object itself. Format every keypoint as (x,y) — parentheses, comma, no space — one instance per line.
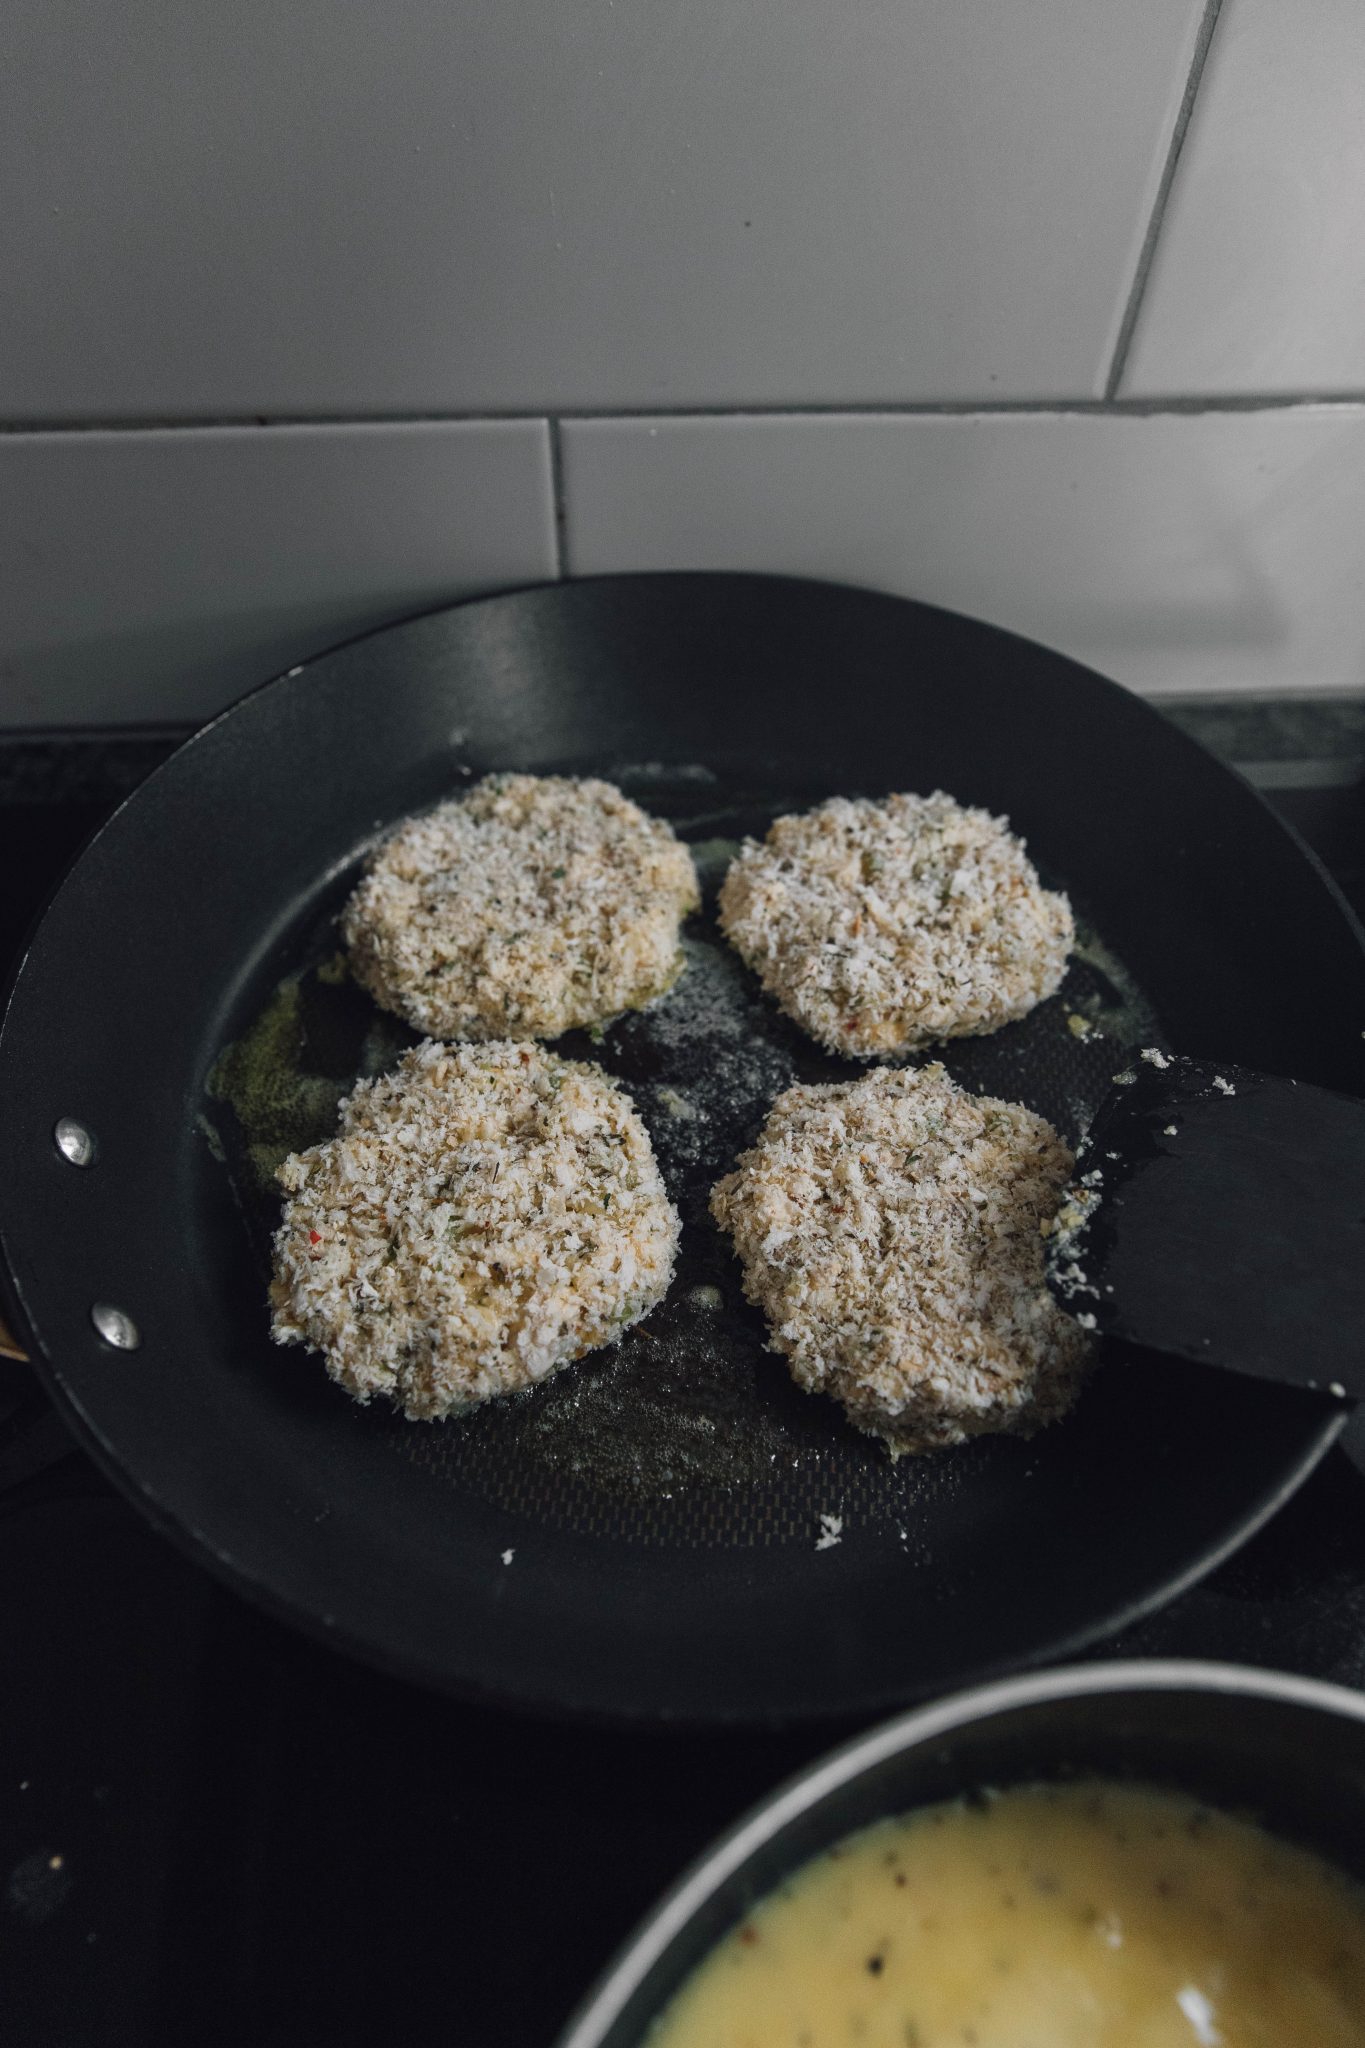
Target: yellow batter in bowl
(1087,1915)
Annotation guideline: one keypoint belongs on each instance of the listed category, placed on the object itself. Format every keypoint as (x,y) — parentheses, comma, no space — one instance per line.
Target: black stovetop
(213,1831)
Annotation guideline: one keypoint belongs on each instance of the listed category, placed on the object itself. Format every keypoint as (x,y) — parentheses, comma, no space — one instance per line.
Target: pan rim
(549,1705)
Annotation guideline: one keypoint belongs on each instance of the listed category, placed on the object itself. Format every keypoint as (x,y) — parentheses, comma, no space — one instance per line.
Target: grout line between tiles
(1175,407)
(561,510)
(1138,290)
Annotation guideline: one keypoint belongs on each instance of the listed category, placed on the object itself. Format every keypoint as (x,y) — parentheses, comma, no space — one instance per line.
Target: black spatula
(1220,1214)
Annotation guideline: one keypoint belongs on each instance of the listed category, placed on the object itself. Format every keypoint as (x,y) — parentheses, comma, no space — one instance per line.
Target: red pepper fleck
(851,1023)
(315,1237)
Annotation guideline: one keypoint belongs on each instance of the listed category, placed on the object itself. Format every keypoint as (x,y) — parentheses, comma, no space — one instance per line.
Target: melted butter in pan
(1084,1916)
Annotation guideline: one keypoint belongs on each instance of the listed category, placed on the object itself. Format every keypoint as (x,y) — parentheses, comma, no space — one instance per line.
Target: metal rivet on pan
(74,1142)
(115,1326)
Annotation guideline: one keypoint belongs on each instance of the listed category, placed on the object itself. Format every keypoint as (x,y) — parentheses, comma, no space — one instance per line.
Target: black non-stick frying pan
(644,1536)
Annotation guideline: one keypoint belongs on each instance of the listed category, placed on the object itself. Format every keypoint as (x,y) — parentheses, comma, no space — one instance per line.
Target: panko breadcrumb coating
(530,906)
(881,926)
(889,1229)
(483,1215)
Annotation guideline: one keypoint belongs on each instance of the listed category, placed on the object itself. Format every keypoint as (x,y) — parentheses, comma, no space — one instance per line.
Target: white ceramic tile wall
(1258,282)
(309,207)
(1213,553)
(883,291)
(152,577)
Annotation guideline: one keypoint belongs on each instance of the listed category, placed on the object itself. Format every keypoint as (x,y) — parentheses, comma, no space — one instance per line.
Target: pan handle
(10,1346)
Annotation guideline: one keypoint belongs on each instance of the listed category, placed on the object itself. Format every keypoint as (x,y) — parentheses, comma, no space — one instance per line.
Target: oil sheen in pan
(688,1433)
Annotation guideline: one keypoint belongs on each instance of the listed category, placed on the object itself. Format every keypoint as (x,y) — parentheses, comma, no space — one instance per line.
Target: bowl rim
(829,1773)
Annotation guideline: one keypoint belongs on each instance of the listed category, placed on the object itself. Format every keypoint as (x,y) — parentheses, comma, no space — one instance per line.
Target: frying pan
(643,1537)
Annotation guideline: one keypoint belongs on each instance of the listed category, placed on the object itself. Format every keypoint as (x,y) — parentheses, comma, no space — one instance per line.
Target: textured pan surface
(661,1502)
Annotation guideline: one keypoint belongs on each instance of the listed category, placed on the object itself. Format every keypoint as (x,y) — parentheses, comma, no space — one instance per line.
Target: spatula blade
(1219,1214)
